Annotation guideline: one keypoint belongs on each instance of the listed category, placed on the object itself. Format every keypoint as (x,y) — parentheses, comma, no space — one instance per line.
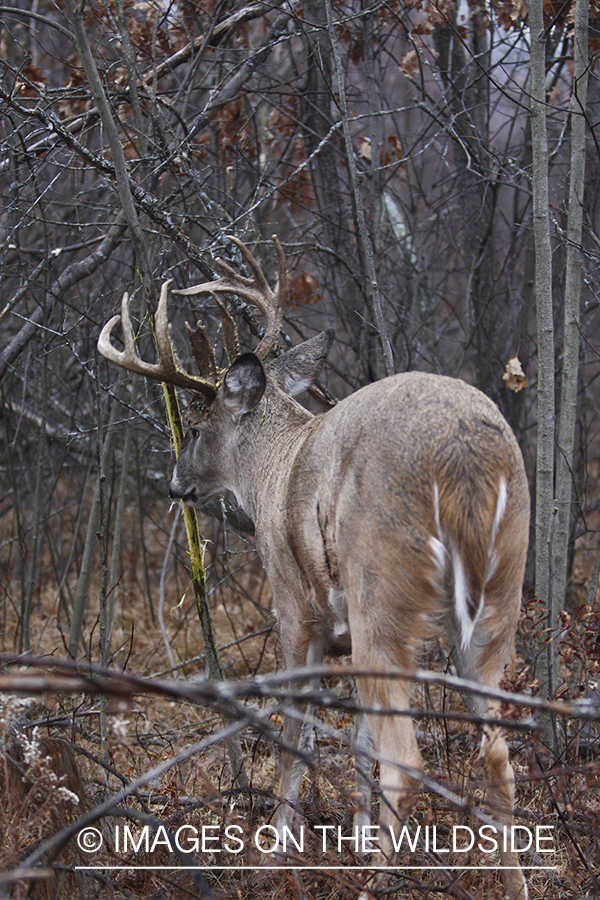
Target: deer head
(221,398)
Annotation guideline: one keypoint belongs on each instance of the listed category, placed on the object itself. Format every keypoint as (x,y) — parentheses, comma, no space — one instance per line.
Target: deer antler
(166,369)
(256,290)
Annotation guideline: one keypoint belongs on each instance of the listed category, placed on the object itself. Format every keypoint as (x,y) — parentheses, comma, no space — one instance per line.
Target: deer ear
(297,369)
(243,385)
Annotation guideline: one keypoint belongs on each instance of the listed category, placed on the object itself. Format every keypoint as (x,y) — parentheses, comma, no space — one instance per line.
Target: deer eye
(194,432)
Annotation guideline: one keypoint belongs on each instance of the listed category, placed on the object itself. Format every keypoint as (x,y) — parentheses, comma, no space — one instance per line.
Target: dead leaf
(409,64)
(554,95)
(304,290)
(35,74)
(394,142)
(514,375)
(364,148)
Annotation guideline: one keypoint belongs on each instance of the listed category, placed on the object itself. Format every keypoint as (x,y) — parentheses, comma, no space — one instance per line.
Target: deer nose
(179,490)
(175,488)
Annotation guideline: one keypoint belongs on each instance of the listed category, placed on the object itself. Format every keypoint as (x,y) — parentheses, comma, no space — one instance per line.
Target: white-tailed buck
(401,511)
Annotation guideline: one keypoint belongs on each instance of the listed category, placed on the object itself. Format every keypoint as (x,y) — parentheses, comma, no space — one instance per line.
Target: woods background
(396,151)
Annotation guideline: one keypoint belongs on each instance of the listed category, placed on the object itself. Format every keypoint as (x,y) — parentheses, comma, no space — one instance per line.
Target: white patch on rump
(500,510)
(461,589)
(461,601)
(438,552)
(436,508)
(498,516)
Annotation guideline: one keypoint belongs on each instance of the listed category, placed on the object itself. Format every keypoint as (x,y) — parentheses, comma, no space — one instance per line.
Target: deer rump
(409,497)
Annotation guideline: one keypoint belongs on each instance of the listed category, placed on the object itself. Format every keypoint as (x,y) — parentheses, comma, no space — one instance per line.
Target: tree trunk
(544,505)
(570,365)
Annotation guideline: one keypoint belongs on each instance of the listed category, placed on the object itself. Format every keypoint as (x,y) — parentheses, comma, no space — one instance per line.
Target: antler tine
(166,369)
(259,275)
(127,358)
(256,290)
(166,362)
(278,299)
(202,351)
(231,338)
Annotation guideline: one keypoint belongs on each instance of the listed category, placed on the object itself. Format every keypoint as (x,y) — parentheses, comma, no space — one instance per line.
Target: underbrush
(59,762)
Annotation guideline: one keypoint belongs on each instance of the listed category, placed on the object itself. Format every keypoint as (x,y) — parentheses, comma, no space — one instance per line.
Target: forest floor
(57,766)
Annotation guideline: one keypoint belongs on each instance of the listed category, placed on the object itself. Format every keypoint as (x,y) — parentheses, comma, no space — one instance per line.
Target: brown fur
(346,500)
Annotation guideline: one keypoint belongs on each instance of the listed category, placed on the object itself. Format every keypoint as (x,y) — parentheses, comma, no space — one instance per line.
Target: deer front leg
(363,765)
(298,734)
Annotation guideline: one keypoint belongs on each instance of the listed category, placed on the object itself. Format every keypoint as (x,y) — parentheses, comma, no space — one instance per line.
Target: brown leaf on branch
(364,148)
(409,64)
(514,375)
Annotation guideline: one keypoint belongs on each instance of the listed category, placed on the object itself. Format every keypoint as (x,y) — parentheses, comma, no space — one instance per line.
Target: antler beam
(166,369)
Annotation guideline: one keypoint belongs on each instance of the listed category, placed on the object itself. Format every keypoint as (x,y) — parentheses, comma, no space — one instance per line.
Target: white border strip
(317,868)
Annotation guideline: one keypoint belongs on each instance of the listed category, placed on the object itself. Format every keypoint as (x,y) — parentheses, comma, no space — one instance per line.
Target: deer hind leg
(362,741)
(501,797)
(400,762)
(396,749)
(487,668)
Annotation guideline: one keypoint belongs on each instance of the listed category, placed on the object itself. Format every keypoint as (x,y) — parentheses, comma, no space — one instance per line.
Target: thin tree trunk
(117,533)
(91,538)
(39,503)
(196,552)
(363,233)
(76,16)
(124,186)
(570,366)
(545,325)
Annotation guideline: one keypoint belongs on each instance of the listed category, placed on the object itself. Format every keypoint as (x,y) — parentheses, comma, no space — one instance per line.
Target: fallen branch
(93,679)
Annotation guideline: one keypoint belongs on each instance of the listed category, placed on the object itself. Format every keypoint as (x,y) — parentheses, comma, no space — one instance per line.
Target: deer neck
(266,448)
